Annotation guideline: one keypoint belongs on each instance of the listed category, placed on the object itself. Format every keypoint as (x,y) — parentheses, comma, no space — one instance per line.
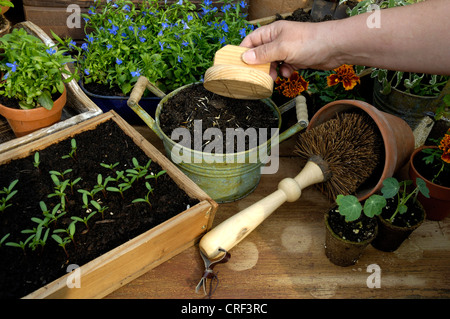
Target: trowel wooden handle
(231,231)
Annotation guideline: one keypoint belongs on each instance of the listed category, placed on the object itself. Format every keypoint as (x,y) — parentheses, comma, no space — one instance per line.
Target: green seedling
(138,171)
(62,243)
(6,194)
(119,189)
(109,166)
(59,191)
(73,151)
(101,184)
(2,240)
(36,161)
(72,183)
(84,220)
(99,208)
(54,215)
(155,176)
(70,231)
(146,199)
(62,174)
(392,188)
(36,239)
(20,244)
(89,193)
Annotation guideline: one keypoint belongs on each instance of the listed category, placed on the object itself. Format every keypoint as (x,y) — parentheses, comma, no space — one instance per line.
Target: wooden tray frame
(125,263)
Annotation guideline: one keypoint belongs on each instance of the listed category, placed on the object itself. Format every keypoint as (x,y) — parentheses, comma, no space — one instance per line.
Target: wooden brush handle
(231,231)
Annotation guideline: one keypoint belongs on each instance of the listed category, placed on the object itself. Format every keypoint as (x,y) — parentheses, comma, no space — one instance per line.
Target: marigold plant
(292,86)
(344,74)
(440,156)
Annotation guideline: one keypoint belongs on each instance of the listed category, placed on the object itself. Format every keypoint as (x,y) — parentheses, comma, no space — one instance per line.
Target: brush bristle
(351,146)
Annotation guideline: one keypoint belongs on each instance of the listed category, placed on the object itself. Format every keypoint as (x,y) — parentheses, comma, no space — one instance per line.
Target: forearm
(413,38)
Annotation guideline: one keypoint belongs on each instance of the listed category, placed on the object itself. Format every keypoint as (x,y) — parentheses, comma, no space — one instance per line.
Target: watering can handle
(136,95)
(139,89)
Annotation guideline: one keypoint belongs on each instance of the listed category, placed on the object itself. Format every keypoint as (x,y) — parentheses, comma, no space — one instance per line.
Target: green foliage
(170,44)
(6,194)
(392,187)
(350,207)
(418,84)
(31,70)
(6,3)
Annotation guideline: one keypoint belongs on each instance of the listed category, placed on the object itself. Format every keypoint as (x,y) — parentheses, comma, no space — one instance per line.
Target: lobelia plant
(31,71)
(171,44)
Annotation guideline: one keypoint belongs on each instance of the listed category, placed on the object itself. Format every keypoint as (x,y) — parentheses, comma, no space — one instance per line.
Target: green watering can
(224,177)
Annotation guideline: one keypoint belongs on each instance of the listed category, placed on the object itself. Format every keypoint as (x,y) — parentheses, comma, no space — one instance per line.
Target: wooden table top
(284,257)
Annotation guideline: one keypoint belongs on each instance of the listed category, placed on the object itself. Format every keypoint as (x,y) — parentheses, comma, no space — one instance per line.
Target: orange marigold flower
(293,86)
(345,75)
(445,147)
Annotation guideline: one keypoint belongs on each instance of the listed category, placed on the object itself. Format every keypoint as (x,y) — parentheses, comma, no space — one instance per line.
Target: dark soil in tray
(357,231)
(195,104)
(21,273)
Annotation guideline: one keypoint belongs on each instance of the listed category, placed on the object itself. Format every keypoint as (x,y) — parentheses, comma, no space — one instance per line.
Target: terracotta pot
(437,206)
(24,122)
(390,237)
(397,136)
(343,252)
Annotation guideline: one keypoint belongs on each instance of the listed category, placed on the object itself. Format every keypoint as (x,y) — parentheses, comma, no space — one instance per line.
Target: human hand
(295,45)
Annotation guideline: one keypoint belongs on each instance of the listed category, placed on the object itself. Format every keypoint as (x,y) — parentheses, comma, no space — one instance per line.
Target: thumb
(262,54)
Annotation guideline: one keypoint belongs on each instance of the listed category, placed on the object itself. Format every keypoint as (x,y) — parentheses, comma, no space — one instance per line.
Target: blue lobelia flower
(224,26)
(142,39)
(13,66)
(242,4)
(72,44)
(136,73)
(90,38)
(242,32)
(161,44)
(185,43)
(84,46)
(180,59)
(207,3)
(108,46)
(126,8)
(118,61)
(180,2)
(86,71)
(50,51)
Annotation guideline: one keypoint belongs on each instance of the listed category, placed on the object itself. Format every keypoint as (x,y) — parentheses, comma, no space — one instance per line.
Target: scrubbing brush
(341,154)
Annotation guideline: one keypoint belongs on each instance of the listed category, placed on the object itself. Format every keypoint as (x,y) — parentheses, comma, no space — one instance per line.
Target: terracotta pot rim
(20,114)
(411,162)
(346,241)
